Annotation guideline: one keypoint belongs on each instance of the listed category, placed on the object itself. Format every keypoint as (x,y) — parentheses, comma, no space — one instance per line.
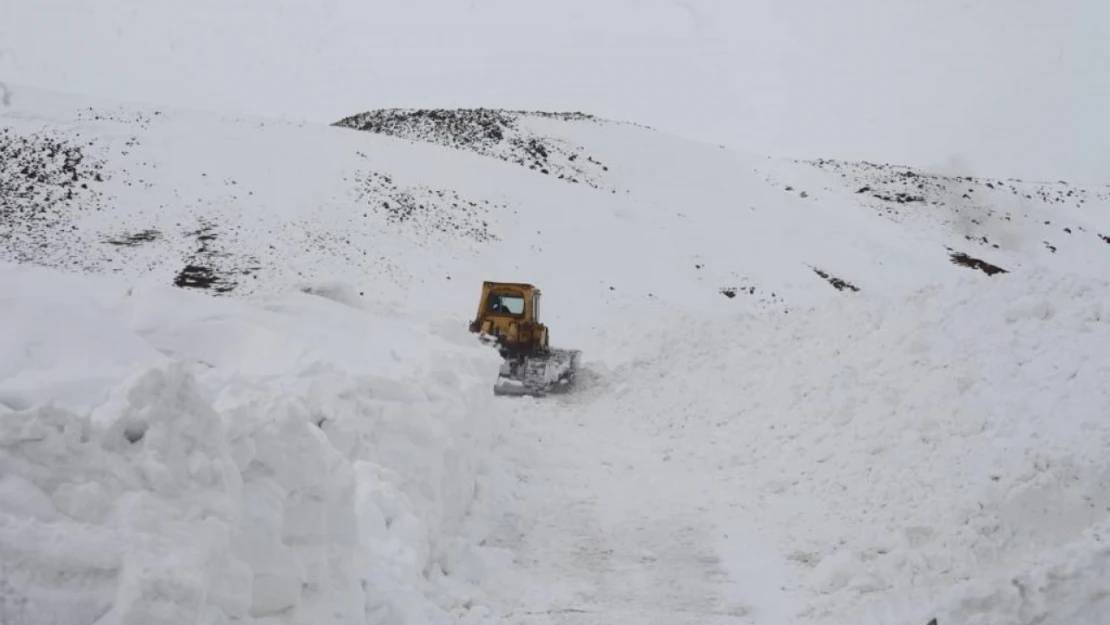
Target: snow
(265,206)
(795,406)
(860,462)
(170,457)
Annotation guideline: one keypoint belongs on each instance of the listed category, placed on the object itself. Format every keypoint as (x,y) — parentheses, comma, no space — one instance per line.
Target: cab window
(506,304)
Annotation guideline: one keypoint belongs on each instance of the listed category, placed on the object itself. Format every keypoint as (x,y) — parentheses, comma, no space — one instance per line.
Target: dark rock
(959,258)
(196,277)
(837,283)
(135,239)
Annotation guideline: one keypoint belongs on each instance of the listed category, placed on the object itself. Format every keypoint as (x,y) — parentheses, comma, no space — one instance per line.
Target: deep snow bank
(166,457)
(943,456)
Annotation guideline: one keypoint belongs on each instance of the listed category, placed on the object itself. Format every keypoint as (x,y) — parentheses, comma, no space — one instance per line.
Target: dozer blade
(539,375)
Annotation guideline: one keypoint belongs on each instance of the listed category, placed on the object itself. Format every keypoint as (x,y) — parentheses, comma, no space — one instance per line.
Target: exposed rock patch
(895,186)
(962,259)
(135,239)
(45,182)
(837,283)
(762,298)
(119,115)
(214,266)
(489,132)
(981,210)
(428,213)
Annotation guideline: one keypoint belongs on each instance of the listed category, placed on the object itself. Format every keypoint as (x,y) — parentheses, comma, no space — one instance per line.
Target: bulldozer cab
(509,311)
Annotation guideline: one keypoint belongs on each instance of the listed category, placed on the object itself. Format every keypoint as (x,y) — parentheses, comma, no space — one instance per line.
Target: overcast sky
(995,87)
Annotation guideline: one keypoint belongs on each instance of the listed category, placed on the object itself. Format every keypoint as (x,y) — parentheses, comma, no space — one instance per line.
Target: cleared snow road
(606,528)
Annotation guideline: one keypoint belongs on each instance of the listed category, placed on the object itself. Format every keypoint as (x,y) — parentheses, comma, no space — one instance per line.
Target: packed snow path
(608,529)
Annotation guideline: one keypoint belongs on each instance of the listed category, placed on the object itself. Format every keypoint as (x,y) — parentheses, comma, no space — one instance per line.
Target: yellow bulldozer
(509,318)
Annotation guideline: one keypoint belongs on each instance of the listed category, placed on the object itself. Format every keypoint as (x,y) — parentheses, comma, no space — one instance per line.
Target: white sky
(1001,87)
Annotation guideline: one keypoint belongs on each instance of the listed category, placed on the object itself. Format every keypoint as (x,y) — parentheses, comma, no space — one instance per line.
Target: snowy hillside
(817,391)
(597,213)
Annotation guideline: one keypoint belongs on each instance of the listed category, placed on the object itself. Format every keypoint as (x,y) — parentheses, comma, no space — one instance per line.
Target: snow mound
(1066,585)
(943,454)
(170,457)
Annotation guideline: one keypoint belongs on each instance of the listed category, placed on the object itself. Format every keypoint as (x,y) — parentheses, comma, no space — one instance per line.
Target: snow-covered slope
(817,391)
(606,215)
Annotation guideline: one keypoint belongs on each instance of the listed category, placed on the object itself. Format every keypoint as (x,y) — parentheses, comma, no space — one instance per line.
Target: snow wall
(166,456)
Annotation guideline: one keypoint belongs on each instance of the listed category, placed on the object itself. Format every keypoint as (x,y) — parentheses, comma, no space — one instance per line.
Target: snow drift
(942,455)
(168,457)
